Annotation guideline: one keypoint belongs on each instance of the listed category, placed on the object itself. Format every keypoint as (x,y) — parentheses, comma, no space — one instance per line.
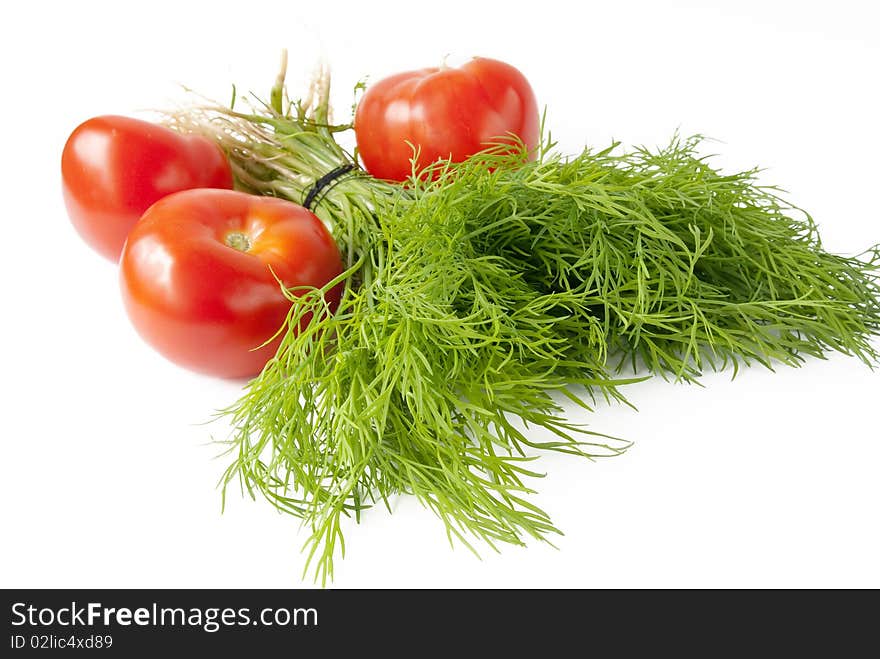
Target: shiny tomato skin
(113,168)
(445,113)
(208,306)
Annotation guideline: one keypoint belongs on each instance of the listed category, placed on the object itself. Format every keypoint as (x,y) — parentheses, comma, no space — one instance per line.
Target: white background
(768,480)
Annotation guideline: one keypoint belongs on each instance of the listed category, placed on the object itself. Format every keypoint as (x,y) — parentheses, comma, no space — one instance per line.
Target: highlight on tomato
(113,168)
(198,276)
(445,113)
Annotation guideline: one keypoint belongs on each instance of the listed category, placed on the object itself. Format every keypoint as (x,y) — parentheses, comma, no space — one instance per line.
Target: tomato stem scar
(238,240)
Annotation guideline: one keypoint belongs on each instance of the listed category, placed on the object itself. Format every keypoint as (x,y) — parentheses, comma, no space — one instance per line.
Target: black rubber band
(324,181)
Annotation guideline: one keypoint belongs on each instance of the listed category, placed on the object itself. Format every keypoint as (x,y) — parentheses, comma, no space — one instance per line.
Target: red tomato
(115,168)
(444,112)
(196,279)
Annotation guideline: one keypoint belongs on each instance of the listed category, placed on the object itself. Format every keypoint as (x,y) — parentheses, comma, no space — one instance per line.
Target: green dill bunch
(479,294)
(683,267)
